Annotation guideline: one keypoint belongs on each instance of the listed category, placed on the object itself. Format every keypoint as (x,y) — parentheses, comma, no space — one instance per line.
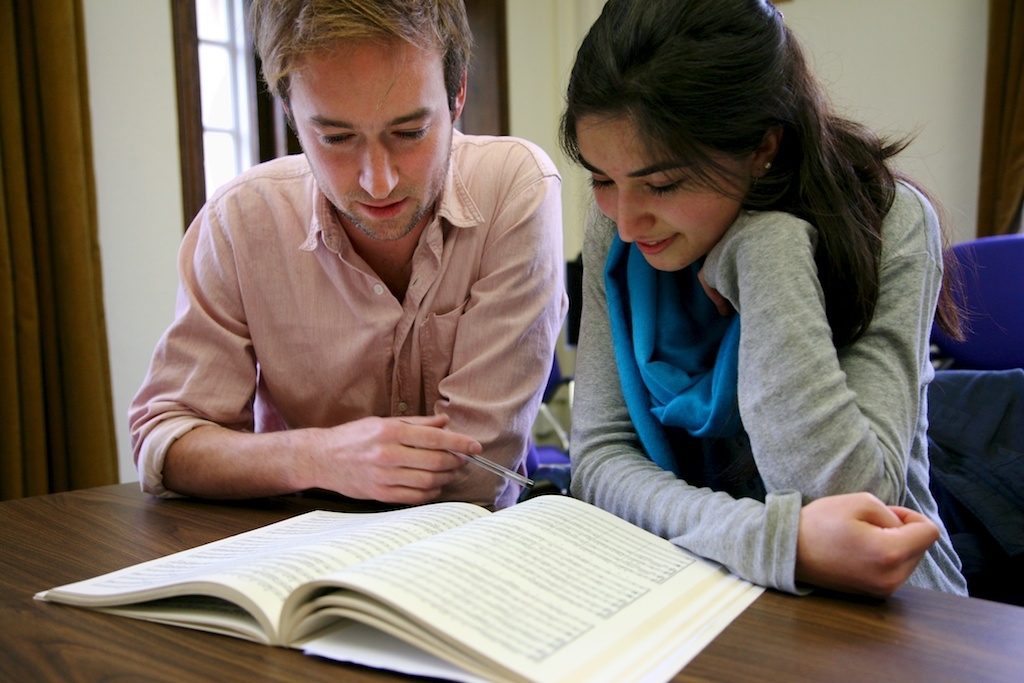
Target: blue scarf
(677,356)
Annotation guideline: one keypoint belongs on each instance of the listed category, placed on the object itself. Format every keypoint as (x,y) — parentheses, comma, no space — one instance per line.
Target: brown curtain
(1002,148)
(56,420)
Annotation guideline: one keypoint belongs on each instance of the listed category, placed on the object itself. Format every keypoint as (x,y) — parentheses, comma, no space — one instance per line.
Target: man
(355,317)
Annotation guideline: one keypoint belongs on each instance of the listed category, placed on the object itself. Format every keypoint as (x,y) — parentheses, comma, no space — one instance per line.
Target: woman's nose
(631,218)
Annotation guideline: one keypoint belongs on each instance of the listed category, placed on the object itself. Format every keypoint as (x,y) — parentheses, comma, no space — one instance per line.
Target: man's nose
(378,176)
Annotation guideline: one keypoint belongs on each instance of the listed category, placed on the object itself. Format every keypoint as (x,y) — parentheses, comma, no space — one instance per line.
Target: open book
(552,589)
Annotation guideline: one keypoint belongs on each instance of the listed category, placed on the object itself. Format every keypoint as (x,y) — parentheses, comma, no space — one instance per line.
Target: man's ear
(288,114)
(460,100)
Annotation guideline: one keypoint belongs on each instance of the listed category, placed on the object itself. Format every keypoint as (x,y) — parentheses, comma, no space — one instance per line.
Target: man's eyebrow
(326,122)
(639,173)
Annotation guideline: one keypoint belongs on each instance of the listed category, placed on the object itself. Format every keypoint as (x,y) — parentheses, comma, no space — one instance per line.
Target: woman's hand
(721,303)
(856,544)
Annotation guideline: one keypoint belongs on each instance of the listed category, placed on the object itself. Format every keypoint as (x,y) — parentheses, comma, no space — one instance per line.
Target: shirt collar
(456,205)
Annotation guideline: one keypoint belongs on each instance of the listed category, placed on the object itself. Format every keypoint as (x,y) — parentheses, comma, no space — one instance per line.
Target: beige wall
(909,66)
(901,65)
(135,143)
(543,36)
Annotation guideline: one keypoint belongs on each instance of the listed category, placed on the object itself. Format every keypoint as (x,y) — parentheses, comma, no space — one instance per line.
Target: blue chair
(548,464)
(992,294)
(551,461)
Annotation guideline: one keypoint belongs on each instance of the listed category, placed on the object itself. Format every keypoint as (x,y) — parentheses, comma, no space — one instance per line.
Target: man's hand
(856,544)
(393,460)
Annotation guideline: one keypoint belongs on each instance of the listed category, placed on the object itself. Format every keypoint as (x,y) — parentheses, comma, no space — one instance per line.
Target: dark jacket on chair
(976,447)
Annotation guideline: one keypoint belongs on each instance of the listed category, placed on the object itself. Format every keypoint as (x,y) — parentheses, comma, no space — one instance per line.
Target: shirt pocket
(437,346)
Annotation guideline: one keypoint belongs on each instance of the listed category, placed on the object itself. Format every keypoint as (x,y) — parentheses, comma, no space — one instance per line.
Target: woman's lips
(649,248)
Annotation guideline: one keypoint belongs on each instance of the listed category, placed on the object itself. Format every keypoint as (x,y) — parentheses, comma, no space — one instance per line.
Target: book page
(257,570)
(358,644)
(551,590)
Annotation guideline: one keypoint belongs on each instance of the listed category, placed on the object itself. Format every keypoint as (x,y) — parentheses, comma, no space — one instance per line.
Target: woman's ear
(764,155)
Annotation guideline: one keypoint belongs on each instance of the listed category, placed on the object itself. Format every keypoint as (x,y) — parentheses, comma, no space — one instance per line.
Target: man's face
(374,122)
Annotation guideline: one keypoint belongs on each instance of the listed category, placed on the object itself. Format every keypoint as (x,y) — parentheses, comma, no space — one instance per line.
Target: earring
(767,166)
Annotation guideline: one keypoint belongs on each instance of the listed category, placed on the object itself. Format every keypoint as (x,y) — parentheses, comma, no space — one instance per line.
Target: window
(217,96)
(225,78)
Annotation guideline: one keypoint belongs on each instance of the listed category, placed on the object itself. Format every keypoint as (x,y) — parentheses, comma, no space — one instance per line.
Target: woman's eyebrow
(639,173)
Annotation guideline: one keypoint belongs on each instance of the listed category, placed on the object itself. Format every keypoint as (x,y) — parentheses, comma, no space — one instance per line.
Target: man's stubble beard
(436,184)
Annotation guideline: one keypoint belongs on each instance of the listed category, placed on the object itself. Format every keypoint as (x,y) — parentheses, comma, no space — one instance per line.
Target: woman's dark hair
(699,77)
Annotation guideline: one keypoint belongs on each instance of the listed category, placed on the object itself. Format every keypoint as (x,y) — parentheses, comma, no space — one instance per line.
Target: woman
(759,290)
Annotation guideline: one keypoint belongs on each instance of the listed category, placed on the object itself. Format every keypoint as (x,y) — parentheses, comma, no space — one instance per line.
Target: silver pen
(496,468)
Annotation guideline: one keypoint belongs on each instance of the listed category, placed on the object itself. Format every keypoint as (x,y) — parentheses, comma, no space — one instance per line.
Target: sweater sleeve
(754,540)
(824,421)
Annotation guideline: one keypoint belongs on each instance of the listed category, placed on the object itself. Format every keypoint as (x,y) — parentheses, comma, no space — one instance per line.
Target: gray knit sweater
(817,421)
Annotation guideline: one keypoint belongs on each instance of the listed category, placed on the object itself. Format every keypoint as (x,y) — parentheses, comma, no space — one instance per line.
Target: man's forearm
(216,462)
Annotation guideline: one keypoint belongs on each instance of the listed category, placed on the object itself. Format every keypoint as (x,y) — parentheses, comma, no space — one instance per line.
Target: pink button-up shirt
(280,324)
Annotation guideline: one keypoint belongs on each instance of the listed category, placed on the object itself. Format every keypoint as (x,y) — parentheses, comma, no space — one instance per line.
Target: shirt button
(378,288)
(402,406)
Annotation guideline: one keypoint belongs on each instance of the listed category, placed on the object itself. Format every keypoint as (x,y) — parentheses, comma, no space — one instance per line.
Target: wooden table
(47,541)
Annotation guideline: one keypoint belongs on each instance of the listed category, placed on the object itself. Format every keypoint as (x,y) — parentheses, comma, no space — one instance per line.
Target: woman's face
(673,218)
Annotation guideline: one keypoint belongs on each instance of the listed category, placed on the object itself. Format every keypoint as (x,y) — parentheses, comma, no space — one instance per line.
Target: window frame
(190,113)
